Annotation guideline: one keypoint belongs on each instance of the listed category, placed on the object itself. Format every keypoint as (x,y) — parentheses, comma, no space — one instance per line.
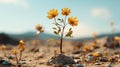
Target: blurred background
(19,17)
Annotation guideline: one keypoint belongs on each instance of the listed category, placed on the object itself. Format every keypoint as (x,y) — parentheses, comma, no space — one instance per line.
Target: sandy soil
(45,52)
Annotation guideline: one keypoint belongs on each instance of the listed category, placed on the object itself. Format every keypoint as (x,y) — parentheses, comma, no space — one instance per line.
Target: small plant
(21,47)
(39,29)
(35,42)
(60,24)
(15,52)
(3,47)
(86,48)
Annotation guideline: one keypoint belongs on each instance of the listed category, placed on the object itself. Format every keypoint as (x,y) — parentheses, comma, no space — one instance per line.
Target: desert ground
(38,55)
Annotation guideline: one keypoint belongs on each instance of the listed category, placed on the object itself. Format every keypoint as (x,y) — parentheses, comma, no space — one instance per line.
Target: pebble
(110,65)
(79,65)
(76,52)
(103,59)
(10,57)
(76,56)
(90,57)
(97,64)
(65,66)
(23,62)
(1,61)
(6,63)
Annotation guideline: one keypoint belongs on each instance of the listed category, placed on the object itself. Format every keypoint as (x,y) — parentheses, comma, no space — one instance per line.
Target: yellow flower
(21,45)
(117,38)
(73,21)
(65,11)
(95,54)
(15,51)
(21,42)
(87,48)
(3,47)
(39,28)
(52,13)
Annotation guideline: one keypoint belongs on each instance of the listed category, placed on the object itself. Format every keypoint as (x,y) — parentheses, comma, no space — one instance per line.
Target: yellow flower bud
(3,47)
(21,42)
(87,48)
(15,51)
(95,54)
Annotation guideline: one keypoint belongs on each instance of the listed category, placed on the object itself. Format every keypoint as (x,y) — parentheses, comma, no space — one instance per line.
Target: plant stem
(20,55)
(61,40)
(17,59)
(4,53)
(55,20)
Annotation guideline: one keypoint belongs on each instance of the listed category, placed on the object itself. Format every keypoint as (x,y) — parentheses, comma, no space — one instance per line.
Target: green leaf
(54,28)
(70,29)
(55,32)
(59,19)
(69,34)
(59,30)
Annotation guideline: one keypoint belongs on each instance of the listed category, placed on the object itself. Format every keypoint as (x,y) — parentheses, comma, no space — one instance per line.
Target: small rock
(79,65)
(41,63)
(65,66)
(78,61)
(6,63)
(57,65)
(110,64)
(37,50)
(116,52)
(10,57)
(76,52)
(117,56)
(103,59)
(97,64)
(1,61)
(30,60)
(23,62)
(90,57)
(76,57)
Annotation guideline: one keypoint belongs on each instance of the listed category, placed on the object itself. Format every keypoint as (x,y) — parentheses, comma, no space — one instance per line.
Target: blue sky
(19,16)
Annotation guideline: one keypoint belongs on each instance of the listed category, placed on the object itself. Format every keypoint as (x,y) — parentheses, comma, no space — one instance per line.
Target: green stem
(55,20)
